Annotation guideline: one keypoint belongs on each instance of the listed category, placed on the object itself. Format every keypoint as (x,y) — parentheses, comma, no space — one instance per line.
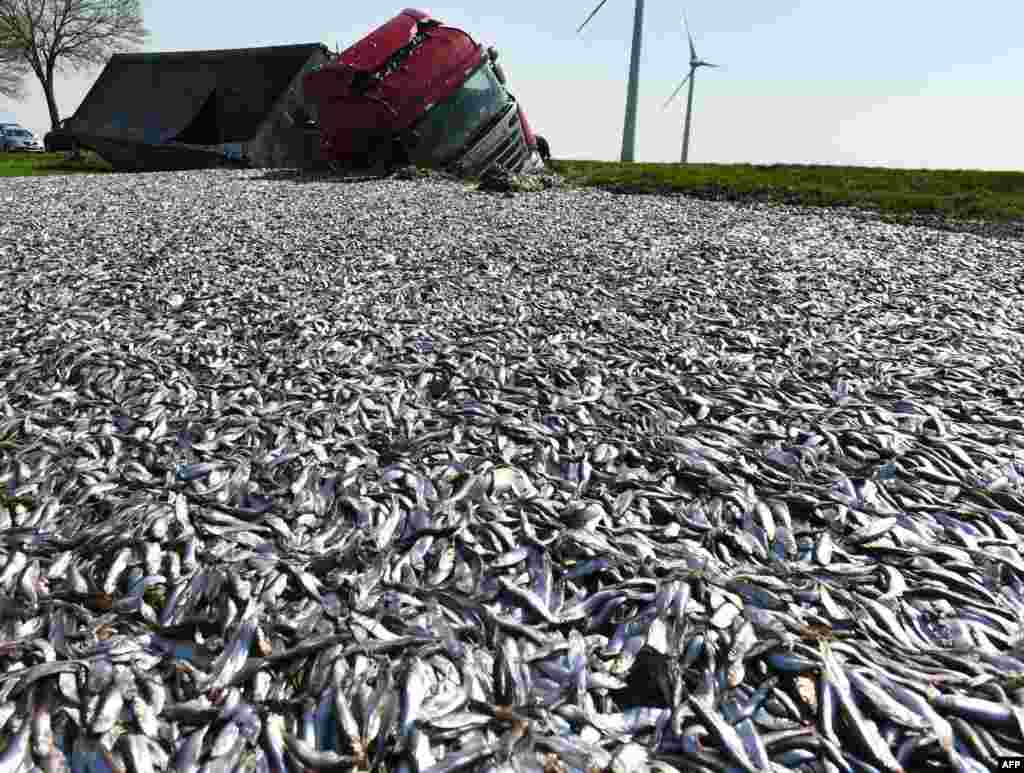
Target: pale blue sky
(906,83)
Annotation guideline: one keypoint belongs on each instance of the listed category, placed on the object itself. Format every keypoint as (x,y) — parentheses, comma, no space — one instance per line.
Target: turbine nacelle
(695,61)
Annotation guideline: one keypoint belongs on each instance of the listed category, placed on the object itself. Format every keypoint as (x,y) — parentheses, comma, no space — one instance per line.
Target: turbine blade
(702,63)
(592,14)
(686,24)
(678,89)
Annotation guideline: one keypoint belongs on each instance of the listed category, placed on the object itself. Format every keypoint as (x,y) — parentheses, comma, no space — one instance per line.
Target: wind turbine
(629,128)
(695,63)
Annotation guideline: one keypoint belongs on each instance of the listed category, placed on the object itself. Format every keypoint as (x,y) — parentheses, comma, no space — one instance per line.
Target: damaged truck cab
(415,90)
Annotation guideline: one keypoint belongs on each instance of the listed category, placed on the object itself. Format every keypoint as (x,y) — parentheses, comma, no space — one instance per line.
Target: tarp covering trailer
(188,109)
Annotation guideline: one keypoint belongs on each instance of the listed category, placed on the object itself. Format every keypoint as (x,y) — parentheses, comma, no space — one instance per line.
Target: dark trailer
(194,109)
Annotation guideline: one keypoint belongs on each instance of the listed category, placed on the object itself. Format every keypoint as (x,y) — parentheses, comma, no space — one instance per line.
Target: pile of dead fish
(654,486)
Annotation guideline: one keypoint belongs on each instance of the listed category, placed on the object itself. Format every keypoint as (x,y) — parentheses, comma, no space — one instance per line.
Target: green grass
(897,194)
(34,164)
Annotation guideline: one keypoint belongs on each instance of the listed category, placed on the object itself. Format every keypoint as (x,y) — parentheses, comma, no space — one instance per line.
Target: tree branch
(44,36)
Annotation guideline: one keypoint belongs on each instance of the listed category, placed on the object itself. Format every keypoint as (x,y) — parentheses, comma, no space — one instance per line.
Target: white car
(14,137)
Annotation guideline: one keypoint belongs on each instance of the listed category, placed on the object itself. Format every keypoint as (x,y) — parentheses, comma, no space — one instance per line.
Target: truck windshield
(448,125)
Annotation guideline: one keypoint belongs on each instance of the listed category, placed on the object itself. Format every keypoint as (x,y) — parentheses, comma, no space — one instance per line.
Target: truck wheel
(543,149)
(399,153)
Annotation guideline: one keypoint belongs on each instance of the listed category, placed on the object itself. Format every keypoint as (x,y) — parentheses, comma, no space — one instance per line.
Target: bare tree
(12,75)
(12,81)
(49,36)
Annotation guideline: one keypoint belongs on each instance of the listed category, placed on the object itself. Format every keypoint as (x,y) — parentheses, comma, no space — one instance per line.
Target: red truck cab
(417,88)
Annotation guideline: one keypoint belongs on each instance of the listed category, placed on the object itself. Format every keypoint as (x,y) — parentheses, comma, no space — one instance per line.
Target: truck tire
(543,149)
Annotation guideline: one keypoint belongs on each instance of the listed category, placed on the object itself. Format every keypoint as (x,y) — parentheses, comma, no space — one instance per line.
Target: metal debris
(501,181)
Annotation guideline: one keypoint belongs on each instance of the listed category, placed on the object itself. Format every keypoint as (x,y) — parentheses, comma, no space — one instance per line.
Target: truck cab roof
(397,71)
(373,51)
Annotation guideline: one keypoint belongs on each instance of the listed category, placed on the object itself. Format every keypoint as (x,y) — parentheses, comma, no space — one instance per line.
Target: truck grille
(511,153)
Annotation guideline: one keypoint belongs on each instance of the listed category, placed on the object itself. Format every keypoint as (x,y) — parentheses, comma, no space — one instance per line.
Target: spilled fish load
(509,516)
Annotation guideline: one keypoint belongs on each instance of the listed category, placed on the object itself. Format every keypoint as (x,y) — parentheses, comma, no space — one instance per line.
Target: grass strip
(896,194)
(36,164)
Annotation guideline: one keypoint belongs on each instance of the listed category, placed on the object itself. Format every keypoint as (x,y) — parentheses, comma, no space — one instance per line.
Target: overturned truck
(417,91)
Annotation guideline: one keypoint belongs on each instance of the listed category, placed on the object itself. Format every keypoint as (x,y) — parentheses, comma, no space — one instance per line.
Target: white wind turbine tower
(695,63)
(629,128)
